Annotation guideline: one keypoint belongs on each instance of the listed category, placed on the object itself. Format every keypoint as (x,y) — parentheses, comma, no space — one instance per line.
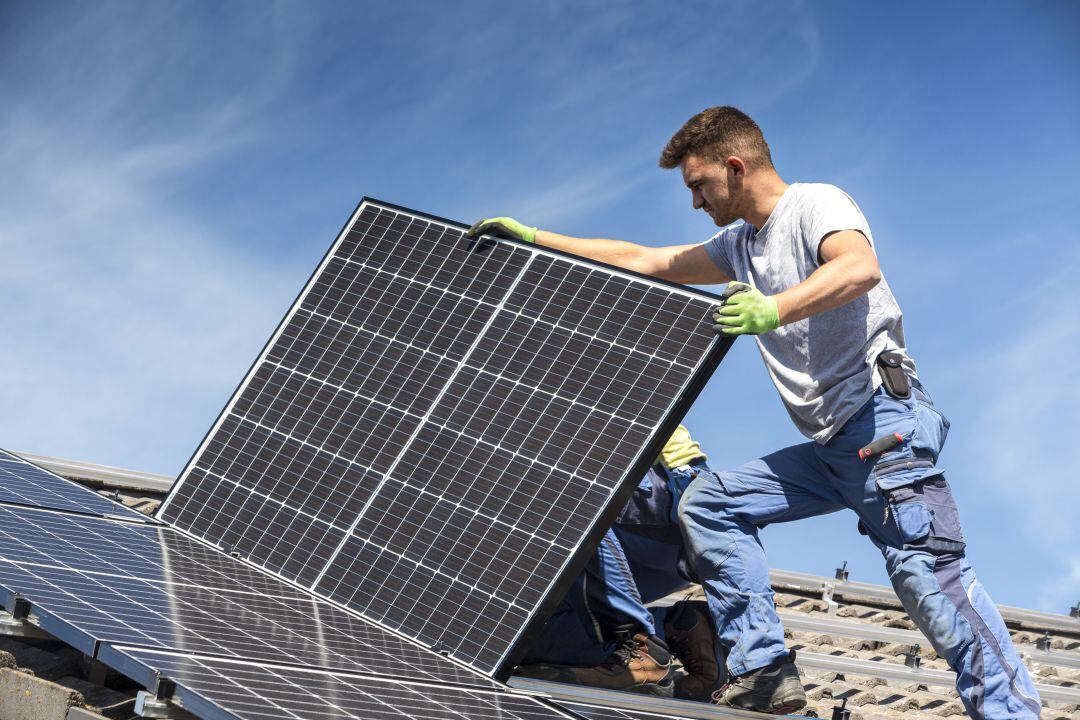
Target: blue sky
(170,173)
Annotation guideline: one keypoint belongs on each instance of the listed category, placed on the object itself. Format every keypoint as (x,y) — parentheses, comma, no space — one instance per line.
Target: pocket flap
(903,472)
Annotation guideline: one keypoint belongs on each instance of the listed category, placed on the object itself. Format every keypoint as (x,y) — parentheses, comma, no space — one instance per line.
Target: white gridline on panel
(170,582)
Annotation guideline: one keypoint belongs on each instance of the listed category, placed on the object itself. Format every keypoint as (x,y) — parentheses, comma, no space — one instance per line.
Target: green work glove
(746,311)
(502,227)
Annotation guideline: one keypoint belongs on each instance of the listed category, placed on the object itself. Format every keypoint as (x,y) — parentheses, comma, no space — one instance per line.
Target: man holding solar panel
(805,281)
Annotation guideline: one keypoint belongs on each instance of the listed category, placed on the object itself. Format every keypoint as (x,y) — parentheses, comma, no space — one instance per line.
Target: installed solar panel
(601,712)
(217,689)
(158,599)
(433,435)
(23,483)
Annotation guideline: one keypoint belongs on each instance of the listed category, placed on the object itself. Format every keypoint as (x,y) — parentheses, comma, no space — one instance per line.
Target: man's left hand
(749,312)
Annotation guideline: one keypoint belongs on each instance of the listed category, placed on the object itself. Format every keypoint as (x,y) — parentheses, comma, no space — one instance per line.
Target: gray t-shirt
(822,366)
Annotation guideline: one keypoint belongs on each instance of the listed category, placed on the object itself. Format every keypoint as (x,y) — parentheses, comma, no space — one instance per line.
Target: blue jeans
(906,508)
(636,563)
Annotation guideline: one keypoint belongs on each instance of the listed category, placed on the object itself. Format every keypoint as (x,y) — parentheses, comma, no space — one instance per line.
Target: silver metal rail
(102,475)
(880,593)
(893,671)
(860,631)
(863,631)
(629,701)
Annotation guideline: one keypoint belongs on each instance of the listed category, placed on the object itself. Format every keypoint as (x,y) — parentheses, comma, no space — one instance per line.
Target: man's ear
(736,164)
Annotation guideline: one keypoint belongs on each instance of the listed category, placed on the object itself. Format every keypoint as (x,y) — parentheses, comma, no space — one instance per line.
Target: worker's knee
(704,501)
(929,593)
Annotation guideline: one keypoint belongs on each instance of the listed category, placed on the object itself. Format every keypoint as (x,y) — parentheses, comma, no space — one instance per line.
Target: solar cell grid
(576,461)
(433,431)
(153,605)
(220,689)
(322,397)
(23,483)
(92,545)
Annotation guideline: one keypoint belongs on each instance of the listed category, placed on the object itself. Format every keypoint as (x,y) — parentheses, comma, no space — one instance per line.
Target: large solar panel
(23,483)
(434,435)
(218,689)
(93,580)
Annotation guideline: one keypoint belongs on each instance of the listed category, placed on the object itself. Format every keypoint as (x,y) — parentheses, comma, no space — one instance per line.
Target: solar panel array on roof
(432,432)
(23,483)
(219,689)
(94,580)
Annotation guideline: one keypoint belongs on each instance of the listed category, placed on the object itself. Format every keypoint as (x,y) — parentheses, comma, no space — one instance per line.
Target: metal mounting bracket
(831,606)
(159,704)
(17,623)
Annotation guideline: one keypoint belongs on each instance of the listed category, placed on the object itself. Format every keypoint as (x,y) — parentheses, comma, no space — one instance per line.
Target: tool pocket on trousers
(913,520)
(924,512)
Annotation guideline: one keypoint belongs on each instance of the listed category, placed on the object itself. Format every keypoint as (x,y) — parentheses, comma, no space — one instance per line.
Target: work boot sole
(784,706)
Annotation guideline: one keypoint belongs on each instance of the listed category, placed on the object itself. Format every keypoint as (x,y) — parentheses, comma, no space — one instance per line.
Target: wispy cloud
(1025,434)
(126,315)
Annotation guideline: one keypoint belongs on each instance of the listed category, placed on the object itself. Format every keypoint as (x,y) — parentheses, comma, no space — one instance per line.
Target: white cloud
(1031,412)
(1063,591)
(127,317)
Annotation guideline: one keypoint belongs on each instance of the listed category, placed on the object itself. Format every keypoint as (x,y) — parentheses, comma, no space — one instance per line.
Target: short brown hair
(715,134)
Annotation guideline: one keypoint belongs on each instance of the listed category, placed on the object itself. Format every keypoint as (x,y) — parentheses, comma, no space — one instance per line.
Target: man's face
(710,184)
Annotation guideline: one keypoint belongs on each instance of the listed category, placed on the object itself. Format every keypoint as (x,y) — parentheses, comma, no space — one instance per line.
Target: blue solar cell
(23,483)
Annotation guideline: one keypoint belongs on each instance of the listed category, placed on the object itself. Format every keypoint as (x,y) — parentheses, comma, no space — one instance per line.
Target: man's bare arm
(849,270)
(686,264)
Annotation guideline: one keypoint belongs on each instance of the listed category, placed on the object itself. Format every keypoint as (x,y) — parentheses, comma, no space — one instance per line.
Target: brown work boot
(775,688)
(690,637)
(640,663)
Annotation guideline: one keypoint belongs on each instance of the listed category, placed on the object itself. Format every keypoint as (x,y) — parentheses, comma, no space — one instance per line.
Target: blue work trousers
(906,508)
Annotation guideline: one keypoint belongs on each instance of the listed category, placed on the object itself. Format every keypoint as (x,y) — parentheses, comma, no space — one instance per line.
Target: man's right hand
(502,227)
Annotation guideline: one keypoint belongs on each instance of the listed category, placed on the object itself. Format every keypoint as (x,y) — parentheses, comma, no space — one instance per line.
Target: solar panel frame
(649,450)
(607,712)
(26,484)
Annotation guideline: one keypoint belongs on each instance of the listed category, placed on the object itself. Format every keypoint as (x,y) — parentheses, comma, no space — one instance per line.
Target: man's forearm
(835,283)
(613,252)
